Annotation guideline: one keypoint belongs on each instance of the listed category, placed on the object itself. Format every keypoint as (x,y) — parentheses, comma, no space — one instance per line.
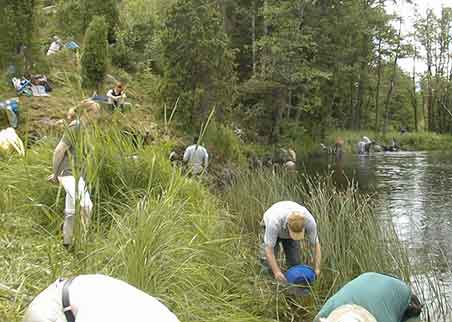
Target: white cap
(349,313)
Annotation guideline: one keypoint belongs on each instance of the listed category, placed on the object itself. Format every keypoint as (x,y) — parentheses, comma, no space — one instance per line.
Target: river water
(414,190)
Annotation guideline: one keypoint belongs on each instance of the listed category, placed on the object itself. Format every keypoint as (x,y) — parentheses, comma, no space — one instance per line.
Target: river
(413,190)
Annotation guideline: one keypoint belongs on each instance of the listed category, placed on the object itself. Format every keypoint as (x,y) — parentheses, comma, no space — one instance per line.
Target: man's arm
(271,260)
(317,257)
(58,156)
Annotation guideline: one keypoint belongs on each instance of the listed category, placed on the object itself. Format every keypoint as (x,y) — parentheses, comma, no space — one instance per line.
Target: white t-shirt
(54,47)
(98,298)
(275,221)
(197,157)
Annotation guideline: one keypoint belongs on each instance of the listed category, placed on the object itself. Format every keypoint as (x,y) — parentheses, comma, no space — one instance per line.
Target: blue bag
(301,275)
(72,45)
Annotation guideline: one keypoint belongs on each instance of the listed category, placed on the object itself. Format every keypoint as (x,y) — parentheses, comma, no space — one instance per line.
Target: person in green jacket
(371,297)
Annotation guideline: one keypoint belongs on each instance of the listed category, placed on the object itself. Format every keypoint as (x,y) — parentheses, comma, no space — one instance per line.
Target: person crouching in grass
(286,223)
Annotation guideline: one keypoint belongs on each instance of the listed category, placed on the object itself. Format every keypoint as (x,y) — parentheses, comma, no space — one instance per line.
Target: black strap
(67,310)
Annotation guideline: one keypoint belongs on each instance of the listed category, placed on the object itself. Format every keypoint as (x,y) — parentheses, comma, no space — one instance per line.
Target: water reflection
(413,191)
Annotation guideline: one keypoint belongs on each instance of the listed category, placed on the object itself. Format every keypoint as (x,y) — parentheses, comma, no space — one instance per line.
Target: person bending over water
(371,297)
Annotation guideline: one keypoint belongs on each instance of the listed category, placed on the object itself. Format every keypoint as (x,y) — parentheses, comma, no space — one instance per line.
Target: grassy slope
(152,227)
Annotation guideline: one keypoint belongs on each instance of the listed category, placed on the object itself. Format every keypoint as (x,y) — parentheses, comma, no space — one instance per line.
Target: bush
(224,144)
(69,22)
(94,59)
(16,22)
(132,45)
(107,8)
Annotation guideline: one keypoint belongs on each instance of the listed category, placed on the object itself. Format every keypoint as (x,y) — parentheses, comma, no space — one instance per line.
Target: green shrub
(224,144)
(94,59)
(131,49)
(68,14)
(107,8)
(196,61)
(17,25)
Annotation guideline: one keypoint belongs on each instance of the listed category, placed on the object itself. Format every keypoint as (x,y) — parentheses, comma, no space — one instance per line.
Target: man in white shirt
(197,158)
(286,222)
(99,298)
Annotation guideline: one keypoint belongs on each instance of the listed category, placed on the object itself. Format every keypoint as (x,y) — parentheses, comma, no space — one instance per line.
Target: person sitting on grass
(196,157)
(371,297)
(286,222)
(116,96)
(64,157)
(88,298)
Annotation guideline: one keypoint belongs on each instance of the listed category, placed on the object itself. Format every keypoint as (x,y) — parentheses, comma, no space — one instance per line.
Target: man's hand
(279,276)
(317,272)
(52,178)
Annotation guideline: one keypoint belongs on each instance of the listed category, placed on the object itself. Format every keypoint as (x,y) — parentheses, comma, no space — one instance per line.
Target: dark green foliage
(107,8)
(16,23)
(94,59)
(197,63)
(69,17)
(134,44)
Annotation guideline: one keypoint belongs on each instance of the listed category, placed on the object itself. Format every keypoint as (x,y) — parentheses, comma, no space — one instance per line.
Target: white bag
(10,140)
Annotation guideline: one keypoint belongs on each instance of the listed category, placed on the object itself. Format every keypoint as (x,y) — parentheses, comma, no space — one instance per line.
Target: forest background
(283,71)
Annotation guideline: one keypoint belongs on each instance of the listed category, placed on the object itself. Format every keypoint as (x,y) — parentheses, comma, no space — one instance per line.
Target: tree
(196,60)
(397,54)
(107,8)
(94,59)
(287,61)
(69,18)
(16,22)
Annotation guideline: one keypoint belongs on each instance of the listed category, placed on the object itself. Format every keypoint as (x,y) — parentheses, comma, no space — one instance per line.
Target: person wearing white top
(197,158)
(98,298)
(55,46)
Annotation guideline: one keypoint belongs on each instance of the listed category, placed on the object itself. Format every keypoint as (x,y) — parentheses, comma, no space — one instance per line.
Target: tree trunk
(289,103)
(428,48)
(377,90)
(392,81)
(413,87)
(253,31)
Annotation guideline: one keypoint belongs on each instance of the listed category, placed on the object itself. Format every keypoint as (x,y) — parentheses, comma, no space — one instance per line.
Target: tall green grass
(153,227)
(353,239)
(170,236)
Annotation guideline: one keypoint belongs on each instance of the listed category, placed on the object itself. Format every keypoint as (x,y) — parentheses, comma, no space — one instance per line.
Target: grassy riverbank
(194,249)
(411,141)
